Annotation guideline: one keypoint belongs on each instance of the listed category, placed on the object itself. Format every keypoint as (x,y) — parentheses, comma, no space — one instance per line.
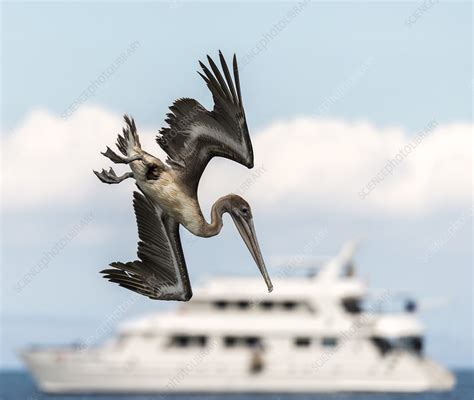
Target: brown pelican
(168,195)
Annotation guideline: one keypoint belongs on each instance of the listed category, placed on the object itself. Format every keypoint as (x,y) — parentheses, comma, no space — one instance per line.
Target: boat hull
(54,375)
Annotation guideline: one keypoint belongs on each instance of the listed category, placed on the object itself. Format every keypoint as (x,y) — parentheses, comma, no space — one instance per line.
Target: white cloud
(49,160)
(321,164)
(324,164)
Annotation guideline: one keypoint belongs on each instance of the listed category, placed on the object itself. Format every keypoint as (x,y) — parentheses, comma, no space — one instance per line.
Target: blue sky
(382,77)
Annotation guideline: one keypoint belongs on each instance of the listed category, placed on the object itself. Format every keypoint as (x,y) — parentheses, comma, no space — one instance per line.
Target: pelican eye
(244,210)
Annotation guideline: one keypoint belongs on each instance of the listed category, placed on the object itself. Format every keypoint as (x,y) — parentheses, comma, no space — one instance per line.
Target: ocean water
(16,385)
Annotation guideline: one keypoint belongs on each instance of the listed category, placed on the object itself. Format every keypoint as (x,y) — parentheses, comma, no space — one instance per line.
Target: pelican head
(241,214)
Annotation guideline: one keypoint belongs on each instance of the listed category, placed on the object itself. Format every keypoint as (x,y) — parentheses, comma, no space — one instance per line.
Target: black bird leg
(110,177)
(114,157)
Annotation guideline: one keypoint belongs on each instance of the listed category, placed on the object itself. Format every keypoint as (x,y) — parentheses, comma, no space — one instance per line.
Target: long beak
(247,231)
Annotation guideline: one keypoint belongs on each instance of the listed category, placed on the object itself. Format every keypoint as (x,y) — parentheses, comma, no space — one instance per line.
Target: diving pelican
(168,191)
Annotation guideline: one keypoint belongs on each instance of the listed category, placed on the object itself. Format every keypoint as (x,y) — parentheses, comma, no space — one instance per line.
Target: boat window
(179,341)
(230,341)
(252,341)
(201,340)
(329,342)
(267,305)
(289,305)
(263,305)
(188,341)
(221,304)
(383,345)
(243,304)
(352,305)
(302,341)
(412,343)
(243,341)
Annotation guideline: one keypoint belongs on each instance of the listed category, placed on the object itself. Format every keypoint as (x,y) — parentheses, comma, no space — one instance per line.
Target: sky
(360,115)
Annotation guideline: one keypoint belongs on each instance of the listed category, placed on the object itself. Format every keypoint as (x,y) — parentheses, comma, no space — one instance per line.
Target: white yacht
(312,334)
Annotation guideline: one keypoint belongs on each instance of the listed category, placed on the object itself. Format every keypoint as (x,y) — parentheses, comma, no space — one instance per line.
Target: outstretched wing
(160,272)
(195,135)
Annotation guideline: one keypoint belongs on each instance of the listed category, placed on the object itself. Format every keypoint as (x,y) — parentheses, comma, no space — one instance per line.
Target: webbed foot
(111,177)
(114,157)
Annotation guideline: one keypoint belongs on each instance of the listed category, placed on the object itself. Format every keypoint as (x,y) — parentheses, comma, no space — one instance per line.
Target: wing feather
(195,135)
(160,271)
(228,78)
(218,75)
